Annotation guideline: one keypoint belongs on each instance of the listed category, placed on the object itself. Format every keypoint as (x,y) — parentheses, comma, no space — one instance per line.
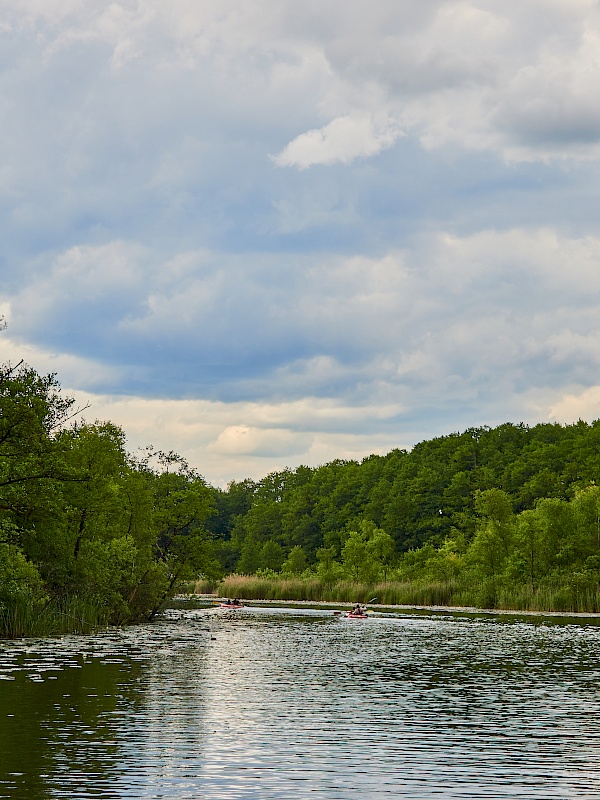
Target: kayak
(350,615)
(231,606)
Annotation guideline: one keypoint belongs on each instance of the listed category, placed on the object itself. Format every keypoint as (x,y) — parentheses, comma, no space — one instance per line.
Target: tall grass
(201,586)
(252,587)
(485,595)
(20,617)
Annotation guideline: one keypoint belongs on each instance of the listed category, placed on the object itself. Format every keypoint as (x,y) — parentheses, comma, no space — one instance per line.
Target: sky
(265,234)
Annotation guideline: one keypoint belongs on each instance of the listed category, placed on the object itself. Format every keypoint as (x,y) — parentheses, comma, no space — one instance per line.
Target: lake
(299,703)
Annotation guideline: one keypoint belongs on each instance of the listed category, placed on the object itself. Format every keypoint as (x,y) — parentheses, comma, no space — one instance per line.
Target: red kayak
(350,615)
(231,606)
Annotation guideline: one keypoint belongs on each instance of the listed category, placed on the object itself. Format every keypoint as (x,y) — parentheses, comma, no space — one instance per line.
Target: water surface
(282,703)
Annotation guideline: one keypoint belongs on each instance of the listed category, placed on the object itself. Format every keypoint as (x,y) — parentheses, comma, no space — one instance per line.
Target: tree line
(87,528)
(492,511)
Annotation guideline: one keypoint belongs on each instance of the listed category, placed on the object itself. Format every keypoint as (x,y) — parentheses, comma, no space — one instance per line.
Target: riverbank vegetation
(91,534)
(505,517)
(546,558)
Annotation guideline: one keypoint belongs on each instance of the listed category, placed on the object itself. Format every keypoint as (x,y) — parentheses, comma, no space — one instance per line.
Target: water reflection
(279,704)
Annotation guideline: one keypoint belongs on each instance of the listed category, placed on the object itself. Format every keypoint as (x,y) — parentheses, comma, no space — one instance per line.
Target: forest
(91,534)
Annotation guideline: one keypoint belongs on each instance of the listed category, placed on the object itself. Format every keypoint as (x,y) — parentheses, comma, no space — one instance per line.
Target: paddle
(372,600)
(337,613)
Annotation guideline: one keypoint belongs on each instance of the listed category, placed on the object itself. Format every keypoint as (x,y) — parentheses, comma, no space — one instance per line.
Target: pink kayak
(231,606)
(350,615)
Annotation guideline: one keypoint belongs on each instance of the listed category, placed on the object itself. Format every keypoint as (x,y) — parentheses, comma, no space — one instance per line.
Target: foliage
(83,524)
(491,516)
(295,563)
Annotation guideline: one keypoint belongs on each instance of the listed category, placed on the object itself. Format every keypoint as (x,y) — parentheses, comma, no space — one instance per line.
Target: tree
(328,569)
(492,543)
(559,547)
(31,412)
(366,550)
(249,560)
(182,504)
(586,506)
(527,556)
(381,548)
(272,556)
(296,562)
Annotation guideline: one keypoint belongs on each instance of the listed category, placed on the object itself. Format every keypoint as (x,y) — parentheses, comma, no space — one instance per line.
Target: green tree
(365,552)
(296,562)
(272,556)
(328,569)
(527,561)
(249,560)
(381,549)
(586,506)
(559,547)
(492,544)
(182,504)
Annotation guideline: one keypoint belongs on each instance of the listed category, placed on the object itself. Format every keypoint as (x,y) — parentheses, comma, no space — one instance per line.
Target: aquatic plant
(488,594)
(21,617)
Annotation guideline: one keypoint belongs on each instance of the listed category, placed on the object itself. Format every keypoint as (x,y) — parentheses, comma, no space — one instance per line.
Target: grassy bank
(566,598)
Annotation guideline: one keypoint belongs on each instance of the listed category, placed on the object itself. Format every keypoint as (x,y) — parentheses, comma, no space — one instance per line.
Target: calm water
(293,704)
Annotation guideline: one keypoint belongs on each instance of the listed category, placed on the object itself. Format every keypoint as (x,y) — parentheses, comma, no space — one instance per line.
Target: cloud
(272,437)
(450,308)
(335,357)
(342,140)
(572,407)
(427,258)
(83,372)
(246,440)
(516,79)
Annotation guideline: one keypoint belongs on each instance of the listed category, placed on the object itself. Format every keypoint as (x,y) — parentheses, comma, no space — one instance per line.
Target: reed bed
(251,587)
(200,586)
(20,617)
(490,595)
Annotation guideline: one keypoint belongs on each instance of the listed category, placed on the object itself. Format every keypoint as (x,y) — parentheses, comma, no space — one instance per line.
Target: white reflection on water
(278,704)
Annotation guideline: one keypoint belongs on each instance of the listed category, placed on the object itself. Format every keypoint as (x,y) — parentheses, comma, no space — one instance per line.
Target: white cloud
(445,271)
(517,79)
(272,437)
(342,140)
(246,440)
(572,407)
(322,325)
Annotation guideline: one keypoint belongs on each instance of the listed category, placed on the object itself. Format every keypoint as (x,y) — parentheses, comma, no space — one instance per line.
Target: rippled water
(274,703)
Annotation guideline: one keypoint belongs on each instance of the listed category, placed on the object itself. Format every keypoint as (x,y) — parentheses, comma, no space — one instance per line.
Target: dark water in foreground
(271,703)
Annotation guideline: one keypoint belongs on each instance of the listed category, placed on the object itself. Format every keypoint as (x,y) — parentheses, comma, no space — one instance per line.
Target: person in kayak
(358,608)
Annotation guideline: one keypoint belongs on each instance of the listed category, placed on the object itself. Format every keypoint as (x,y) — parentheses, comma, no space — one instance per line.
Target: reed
(20,617)
(490,594)
(200,586)
(252,587)
(416,593)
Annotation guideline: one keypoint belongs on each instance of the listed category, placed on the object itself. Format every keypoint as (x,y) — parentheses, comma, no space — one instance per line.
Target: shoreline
(470,610)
